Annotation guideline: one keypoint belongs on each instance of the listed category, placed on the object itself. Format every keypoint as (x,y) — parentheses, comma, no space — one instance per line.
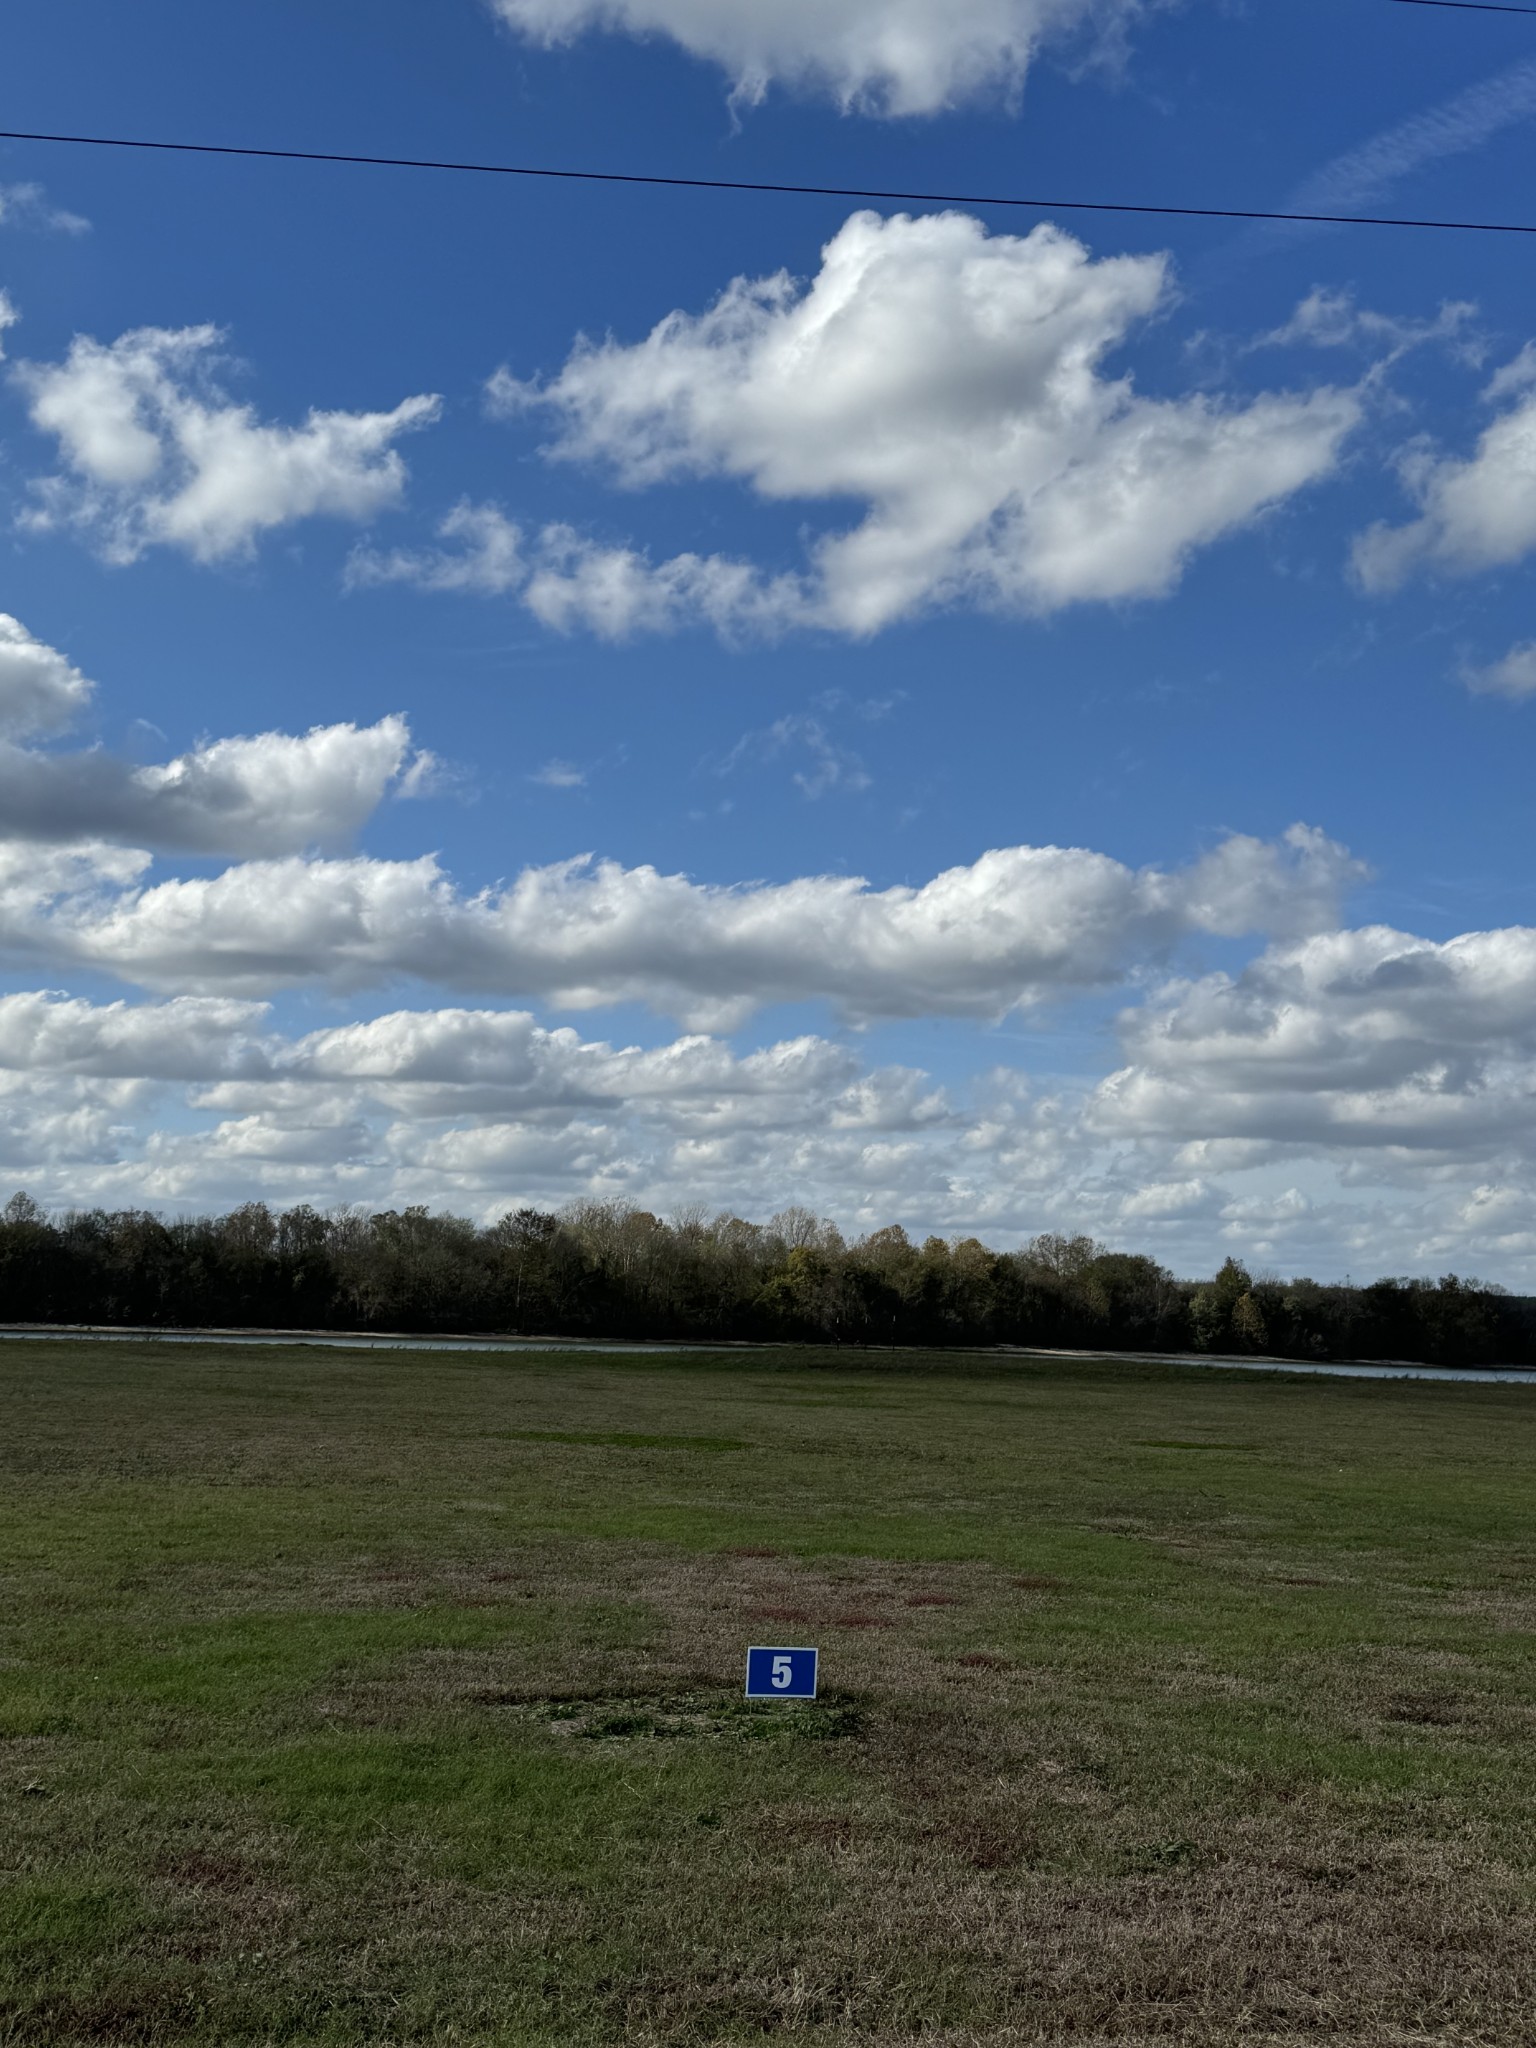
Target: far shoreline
(509,1342)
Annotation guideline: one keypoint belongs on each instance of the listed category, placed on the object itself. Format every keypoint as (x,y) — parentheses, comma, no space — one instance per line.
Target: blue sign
(781,1674)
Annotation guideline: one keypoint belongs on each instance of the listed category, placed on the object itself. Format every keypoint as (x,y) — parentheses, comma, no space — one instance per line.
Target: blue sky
(516,690)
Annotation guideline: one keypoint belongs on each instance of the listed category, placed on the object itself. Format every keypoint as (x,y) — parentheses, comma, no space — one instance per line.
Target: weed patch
(704,1714)
(620,1440)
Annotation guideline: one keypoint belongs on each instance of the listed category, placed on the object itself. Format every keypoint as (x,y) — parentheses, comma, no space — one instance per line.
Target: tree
(1231,1284)
(1066,1257)
(1248,1331)
(610,1268)
(806,1292)
(1207,1319)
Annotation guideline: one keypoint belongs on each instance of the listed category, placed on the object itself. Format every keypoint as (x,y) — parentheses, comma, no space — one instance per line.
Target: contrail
(1473,117)
(1361,176)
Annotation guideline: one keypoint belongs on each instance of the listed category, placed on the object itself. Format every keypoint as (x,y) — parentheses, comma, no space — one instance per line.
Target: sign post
(778,1674)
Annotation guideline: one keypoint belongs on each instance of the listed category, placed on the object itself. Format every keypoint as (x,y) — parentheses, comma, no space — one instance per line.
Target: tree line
(604,1269)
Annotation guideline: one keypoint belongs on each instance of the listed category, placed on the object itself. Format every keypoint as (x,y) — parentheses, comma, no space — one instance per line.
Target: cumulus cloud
(157,454)
(40,690)
(1477,512)
(272,793)
(191,1103)
(486,1105)
(571,583)
(1015,927)
(875,56)
(1346,1041)
(1364,1099)
(576,584)
(950,380)
(192,1038)
(1359,1099)
(36,882)
(9,317)
(464,1055)
(444,1060)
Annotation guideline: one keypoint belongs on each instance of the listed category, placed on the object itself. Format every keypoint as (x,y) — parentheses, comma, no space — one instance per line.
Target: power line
(416,163)
(1470,6)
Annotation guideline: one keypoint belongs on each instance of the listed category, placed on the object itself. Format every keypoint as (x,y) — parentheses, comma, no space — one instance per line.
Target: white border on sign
(783,1650)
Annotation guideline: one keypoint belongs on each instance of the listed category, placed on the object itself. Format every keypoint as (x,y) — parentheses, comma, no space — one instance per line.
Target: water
(315,1340)
(1500,1376)
(1386,1369)
(1487,1375)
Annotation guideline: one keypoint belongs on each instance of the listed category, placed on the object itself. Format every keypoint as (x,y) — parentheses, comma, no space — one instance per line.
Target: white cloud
(480,1106)
(1512,676)
(9,317)
(1478,512)
(1348,1041)
(617,592)
(484,558)
(37,882)
(440,1059)
(1161,1200)
(1360,1100)
(270,794)
(1328,317)
(1389,1082)
(28,206)
(192,1038)
(879,1147)
(158,455)
(560,775)
(1369,1100)
(950,380)
(1517,375)
(570,582)
(1017,926)
(40,691)
(876,56)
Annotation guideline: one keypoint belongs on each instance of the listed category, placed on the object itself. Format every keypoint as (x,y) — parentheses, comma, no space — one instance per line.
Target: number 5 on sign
(781,1674)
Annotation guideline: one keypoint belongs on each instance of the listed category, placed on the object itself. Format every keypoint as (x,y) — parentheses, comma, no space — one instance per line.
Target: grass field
(380,1698)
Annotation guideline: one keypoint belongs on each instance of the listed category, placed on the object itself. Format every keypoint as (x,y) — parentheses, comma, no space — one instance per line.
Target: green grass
(390,1698)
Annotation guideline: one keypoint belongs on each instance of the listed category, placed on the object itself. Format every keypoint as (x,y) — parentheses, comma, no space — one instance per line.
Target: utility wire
(1470,6)
(416,163)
